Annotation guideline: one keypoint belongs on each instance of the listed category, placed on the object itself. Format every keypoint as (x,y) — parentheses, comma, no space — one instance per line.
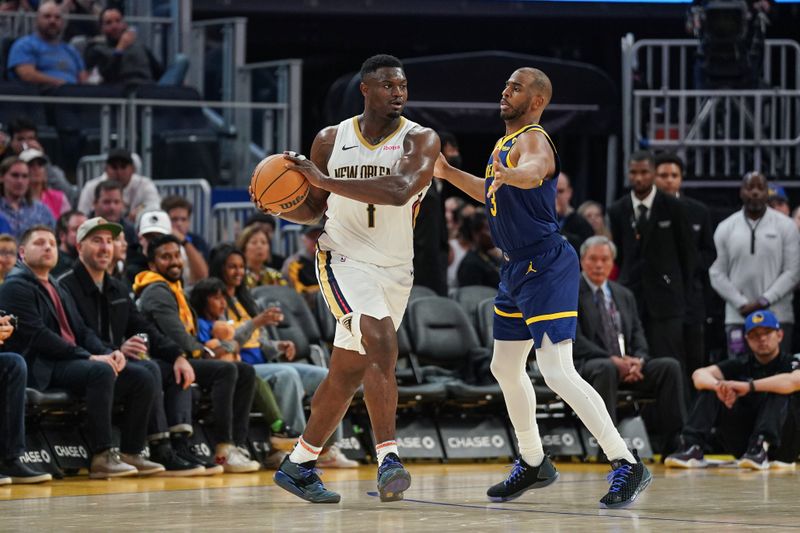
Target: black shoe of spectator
(20,473)
(756,455)
(161,452)
(183,449)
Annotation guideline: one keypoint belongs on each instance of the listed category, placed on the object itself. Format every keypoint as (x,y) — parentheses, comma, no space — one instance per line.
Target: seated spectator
(66,235)
(227,264)
(107,309)
(16,205)
(456,210)
(13,379)
(42,57)
(574,227)
(232,384)
(757,265)
(62,353)
(55,200)
(24,136)
(116,269)
(593,213)
(118,54)
(267,223)
(300,268)
(778,200)
(139,193)
(757,393)
(214,329)
(610,347)
(478,266)
(254,244)
(194,248)
(108,204)
(8,255)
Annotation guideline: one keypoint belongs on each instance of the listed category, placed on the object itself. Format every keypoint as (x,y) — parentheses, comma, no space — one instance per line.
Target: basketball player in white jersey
(368,176)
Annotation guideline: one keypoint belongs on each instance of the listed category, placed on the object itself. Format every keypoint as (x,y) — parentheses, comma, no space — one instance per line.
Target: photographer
(13,377)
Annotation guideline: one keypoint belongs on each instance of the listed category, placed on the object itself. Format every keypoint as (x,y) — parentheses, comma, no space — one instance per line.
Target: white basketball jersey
(379,234)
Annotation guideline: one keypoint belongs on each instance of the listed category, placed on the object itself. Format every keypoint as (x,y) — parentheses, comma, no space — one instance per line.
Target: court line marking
(603,515)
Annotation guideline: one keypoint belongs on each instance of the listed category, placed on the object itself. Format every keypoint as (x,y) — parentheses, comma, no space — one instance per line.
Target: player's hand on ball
(305,166)
(256,201)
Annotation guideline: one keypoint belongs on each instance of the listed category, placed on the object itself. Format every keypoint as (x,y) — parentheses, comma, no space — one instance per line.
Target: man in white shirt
(138,192)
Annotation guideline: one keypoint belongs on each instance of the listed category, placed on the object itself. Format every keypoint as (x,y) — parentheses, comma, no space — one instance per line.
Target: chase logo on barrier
(475,438)
(350,443)
(418,438)
(68,448)
(633,432)
(559,439)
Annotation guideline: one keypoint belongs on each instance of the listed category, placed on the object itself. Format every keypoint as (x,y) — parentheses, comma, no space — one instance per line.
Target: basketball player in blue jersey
(537,300)
(368,175)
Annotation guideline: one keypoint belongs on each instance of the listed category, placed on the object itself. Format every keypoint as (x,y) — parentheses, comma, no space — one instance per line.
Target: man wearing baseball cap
(107,309)
(751,402)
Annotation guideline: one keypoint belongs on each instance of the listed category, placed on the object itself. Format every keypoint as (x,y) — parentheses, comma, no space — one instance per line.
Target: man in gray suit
(610,347)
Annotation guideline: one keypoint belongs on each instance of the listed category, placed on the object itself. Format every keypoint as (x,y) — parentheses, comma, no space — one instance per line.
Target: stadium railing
(198,192)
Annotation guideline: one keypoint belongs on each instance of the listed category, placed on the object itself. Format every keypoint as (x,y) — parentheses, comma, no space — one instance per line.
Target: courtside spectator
(593,213)
(55,200)
(456,210)
(107,309)
(232,384)
(574,227)
(748,401)
(42,57)
(116,269)
(16,205)
(758,263)
(300,268)
(267,223)
(109,204)
(139,193)
(13,379)
(778,200)
(291,381)
(194,248)
(62,353)
(24,136)
(8,254)
(610,347)
(66,235)
(478,266)
(655,254)
(255,245)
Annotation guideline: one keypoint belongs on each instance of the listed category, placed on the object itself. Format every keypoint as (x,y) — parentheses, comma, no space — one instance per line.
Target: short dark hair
(106,185)
(670,158)
(372,64)
(157,243)
(198,298)
(175,201)
(642,155)
(26,236)
(63,221)
(260,218)
(106,10)
(19,124)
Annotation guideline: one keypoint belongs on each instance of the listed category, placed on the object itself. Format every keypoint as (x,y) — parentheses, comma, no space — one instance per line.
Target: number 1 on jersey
(371,215)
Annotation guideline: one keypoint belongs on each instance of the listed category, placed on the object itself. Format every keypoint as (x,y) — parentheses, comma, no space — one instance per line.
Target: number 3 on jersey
(493,210)
(370,215)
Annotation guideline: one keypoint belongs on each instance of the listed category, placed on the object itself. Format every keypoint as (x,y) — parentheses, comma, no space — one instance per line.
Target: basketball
(275,187)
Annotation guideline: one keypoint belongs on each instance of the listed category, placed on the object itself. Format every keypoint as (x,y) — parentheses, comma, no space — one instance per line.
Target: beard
(511,113)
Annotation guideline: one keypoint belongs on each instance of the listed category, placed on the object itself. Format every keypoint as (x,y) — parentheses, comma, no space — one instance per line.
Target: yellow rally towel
(148,277)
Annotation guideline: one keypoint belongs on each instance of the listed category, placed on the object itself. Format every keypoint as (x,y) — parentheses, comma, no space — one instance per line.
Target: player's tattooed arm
(472,185)
(412,173)
(535,162)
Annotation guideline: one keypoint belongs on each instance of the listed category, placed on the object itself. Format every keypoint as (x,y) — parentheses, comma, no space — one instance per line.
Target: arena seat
(420,291)
(442,335)
(484,318)
(470,297)
(325,319)
(298,326)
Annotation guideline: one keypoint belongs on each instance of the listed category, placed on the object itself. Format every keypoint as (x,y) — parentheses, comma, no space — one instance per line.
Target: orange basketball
(275,187)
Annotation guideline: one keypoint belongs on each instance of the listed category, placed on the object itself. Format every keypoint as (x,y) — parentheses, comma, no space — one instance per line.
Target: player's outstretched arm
(534,163)
(472,185)
(412,173)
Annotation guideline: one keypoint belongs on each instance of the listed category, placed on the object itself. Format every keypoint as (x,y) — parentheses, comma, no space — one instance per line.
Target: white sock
(558,369)
(304,452)
(385,448)
(508,367)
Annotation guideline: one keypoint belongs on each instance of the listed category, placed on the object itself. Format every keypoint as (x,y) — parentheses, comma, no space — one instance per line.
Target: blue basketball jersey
(521,218)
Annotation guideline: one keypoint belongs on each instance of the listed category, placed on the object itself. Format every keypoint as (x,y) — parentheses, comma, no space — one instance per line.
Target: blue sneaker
(627,480)
(393,479)
(523,477)
(302,480)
